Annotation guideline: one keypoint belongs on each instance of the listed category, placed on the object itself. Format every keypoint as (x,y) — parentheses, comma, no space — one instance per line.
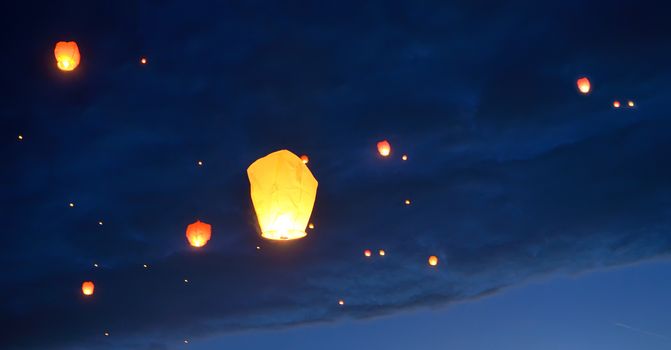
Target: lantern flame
(283,192)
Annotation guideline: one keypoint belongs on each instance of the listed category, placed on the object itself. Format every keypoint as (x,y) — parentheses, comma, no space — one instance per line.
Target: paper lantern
(67,55)
(367,253)
(584,85)
(283,192)
(305,159)
(433,260)
(382,252)
(616,104)
(198,233)
(384,148)
(630,103)
(87,288)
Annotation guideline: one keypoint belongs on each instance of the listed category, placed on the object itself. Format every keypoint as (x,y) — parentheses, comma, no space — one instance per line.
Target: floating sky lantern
(305,159)
(20,137)
(87,288)
(630,103)
(382,252)
(404,157)
(283,192)
(584,85)
(143,60)
(367,253)
(616,104)
(67,55)
(433,260)
(341,302)
(198,233)
(384,148)
(407,202)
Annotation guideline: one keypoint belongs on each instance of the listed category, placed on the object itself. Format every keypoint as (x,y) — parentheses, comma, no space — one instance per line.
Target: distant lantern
(200,163)
(384,148)
(305,159)
(584,85)
(407,202)
(405,157)
(616,104)
(67,55)
(311,226)
(367,253)
(71,205)
(630,103)
(341,302)
(87,288)
(143,60)
(382,252)
(283,192)
(433,260)
(20,137)
(198,233)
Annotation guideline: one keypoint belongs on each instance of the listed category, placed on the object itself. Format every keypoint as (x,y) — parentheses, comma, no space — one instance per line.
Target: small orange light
(87,288)
(584,85)
(143,60)
(341,302)
(405,157)
(407,202)
(367,253)
(433,260)
(384,148)
(630,103)
(616,104)
(305,159)
(382,252)
(311,226)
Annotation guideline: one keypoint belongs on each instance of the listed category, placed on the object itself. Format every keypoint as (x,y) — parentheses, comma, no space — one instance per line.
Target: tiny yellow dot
(630,103)
(20,137)
(143,60)
(404,157)
(382,252)
(72,205)
(311,226)
(407,202)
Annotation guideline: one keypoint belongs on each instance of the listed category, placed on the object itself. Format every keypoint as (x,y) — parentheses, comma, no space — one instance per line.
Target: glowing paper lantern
(384,148)
(367,253)
(283,192)
(433,260)
(87,288)
(143,60)
(341,302)
(584,85)
(630,103)
(198,233)
(67,55)
(305,159)
(382,252)
(616,104)
(405,157)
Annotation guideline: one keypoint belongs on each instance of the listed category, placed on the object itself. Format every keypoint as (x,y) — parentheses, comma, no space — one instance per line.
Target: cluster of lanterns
(585,87)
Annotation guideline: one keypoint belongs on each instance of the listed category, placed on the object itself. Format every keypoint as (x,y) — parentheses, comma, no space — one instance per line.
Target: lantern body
(630,103)
(87,288)
(67,55)
(382,252)
(433,260)
(283,192)
(198,233)
(584,85)
(616,104)
(305,159)
(367,253)
(384,148)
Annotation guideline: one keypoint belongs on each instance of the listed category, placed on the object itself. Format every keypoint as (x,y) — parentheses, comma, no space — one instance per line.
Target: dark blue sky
(513,175)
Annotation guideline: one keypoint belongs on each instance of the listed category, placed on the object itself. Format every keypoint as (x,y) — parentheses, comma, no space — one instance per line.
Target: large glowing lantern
(433,260)
(87,288)
(198,233)
(583,85)
(67,55)
(384,148)
(283,192)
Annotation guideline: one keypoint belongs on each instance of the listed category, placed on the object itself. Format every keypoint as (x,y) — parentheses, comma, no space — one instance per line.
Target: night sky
(550,210)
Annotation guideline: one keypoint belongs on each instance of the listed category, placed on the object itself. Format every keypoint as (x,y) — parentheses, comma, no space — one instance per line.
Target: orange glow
(143,60)
(198,233)
(367,253)
(407,202)
(616,104)
(405,157)
(341,302)
(305,159)
(67,55)
(311,226)
(433,260)
(584,85)
(382,252)
(87,288)
(630,103)
(384,148)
